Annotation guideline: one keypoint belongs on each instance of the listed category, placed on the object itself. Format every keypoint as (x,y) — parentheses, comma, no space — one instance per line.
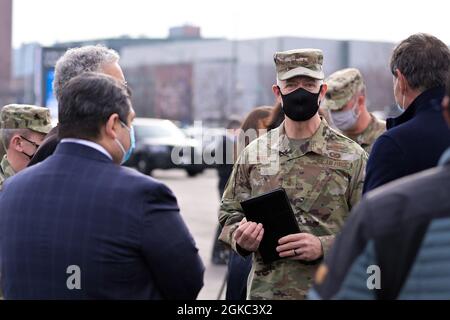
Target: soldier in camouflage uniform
(22,129)
(321,170)
(346,101)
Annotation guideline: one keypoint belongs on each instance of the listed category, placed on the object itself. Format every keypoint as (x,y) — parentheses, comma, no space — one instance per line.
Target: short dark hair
(87,102)
(233,123)
(423,59)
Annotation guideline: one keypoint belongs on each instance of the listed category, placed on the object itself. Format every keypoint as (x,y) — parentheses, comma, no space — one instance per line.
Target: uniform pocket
(317,193)
(303,185)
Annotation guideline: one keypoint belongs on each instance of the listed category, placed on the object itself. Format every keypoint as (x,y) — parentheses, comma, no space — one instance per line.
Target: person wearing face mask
(321,171)
(415,140)
(23,129)
(346,101)
(90,228)
(74,62)
(404,230)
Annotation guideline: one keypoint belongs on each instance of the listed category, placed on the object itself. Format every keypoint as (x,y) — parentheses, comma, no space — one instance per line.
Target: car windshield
(163,130)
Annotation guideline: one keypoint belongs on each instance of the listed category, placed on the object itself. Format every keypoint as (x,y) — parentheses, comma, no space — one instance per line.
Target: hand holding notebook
(273,211)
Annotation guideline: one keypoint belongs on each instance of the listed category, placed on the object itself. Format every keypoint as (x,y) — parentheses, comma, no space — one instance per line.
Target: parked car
(160,144)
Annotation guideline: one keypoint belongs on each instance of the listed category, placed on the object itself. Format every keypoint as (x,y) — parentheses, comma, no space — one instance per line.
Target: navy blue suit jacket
(123,230)
(414,141)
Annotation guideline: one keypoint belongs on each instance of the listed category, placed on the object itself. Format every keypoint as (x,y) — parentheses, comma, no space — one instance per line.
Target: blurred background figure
(23,129)
(256,120)
(396,243)
(226,146)
(73,63)
(228,156)
(415,140)
(239,267)
(346,102)
(275,118)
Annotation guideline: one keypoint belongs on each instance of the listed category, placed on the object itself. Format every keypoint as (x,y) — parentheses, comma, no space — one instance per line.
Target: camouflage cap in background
(18,116)
(299,62)
(342,87)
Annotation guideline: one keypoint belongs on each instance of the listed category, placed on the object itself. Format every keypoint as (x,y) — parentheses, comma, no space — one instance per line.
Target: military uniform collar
(316,143)
(6,168)
(364,137)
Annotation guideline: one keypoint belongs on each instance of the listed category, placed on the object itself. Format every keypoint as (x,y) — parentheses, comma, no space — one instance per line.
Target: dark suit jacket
(414,141)
(121,228)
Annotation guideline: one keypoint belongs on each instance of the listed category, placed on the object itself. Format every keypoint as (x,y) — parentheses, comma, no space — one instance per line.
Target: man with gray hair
(75,62)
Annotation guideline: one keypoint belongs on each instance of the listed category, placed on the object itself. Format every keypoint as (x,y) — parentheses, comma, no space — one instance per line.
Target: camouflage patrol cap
(342,87)
(299,62)
(19,116)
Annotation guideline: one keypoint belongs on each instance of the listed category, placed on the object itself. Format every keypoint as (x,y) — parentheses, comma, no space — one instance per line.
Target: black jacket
(414,141)
(404,230)
(47,148)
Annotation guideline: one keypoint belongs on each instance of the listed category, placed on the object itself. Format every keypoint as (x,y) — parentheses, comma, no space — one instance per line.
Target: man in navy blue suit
(80,226)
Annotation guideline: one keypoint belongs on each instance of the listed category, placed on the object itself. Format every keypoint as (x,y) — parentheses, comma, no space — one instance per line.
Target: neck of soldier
(363,122)
(302,129)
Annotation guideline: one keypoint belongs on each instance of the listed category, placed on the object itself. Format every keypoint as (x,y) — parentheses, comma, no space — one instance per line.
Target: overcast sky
(48,21)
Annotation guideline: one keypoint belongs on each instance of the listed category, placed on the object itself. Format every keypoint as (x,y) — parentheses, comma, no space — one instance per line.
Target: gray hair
(8,134)
(80,60)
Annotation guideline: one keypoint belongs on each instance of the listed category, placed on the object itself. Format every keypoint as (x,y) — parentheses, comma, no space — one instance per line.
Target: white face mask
(401,107)
(346,120)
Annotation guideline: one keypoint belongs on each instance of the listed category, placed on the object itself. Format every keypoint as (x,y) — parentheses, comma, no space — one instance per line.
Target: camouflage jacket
(323,179)
(367,138)
(6,171)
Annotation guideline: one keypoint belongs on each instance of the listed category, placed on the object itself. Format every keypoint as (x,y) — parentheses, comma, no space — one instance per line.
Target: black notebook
(274,211)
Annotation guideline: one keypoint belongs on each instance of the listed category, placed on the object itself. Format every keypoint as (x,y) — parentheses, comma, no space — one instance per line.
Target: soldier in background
(321,170)
(346,101)
(23,129)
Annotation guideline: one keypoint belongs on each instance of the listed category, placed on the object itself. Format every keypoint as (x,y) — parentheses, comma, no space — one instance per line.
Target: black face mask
(300,105)
(30,156)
